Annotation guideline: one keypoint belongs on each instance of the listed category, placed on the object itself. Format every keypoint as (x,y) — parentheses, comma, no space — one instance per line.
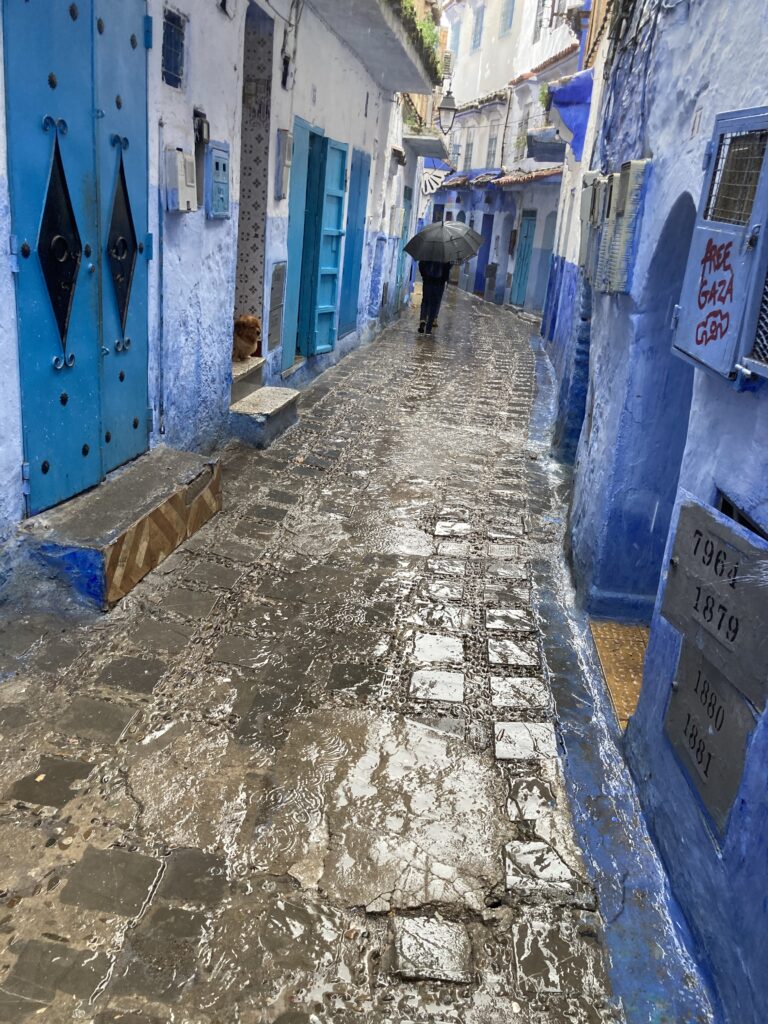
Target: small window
(737,171)
(507,14)
(173,48)
(469,146)
(732,511)
(477,27)
(493,145)
(455,39)
(760,351)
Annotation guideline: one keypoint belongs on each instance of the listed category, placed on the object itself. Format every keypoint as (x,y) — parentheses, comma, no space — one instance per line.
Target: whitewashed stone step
(263,415)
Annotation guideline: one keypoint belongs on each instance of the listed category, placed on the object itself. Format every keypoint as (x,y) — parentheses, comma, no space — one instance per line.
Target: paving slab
(519,692)
(434,685)
(53,783)
(435,648)
(114,881)
(100,720)
(523,741)
(427,948)
(137,675)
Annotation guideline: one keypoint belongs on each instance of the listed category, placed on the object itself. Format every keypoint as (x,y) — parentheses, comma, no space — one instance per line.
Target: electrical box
(217,181)
(180,181)
(283,163)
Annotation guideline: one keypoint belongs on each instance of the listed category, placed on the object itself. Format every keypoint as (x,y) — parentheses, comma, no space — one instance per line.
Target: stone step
(247,376)
(103,542)
(263,415)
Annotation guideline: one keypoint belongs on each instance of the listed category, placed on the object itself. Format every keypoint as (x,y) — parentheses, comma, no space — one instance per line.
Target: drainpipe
(161,275)
(506,125)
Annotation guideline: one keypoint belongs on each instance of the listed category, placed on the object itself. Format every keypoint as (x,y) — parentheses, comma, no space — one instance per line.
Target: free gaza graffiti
(715,292)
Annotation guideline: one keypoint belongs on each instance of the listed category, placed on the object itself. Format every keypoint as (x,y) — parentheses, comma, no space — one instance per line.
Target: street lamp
(446,112)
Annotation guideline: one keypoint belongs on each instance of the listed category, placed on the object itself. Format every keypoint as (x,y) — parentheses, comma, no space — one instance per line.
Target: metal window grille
(760,351)
(737,171)
(477,28)
(173,48)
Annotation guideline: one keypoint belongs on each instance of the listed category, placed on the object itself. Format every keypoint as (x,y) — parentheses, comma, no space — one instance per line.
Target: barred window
(173,48)
(737,172)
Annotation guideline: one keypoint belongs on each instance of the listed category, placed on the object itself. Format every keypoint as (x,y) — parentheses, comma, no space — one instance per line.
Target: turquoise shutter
(331,235)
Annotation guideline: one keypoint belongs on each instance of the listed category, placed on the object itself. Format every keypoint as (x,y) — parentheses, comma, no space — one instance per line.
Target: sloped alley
(312,768)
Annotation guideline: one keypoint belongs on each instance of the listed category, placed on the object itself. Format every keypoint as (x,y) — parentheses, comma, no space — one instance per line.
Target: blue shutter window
(477,27)
(455,38)
(507,14)
(493,145)
(173,48)
(722,316)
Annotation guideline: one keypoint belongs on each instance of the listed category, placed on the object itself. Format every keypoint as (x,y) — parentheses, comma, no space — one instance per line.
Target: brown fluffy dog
(247,337)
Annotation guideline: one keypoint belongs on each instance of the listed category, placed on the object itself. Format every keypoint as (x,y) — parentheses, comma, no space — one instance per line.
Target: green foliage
(544,95)
(424,34)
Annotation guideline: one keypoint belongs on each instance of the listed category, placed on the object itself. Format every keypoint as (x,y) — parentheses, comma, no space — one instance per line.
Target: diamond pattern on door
(122,245)
(58,245)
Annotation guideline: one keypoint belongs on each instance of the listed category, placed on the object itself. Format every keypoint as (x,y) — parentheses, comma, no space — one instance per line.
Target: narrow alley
(323,765)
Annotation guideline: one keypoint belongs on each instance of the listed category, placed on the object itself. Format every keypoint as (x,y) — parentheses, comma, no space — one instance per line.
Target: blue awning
(571,100)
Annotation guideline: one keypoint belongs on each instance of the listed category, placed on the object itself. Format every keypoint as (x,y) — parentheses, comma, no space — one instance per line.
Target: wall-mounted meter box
(217,181)
(180,181)
(283,163)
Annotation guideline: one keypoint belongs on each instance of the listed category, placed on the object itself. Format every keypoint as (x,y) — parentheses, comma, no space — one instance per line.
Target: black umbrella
(445,242)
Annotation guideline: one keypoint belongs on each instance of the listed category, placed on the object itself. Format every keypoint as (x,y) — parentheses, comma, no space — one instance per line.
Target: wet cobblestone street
(310,769)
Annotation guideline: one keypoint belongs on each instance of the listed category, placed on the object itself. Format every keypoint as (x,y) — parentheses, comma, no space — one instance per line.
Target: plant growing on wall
(424,34)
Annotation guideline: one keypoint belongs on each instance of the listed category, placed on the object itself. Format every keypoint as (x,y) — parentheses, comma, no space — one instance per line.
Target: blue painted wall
(567,330)
(648,414)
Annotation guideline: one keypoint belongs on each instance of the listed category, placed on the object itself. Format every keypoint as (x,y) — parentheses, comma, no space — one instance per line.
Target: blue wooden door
(485,251)
(121,148)
(523,258)
(62,223)
(330,238)
(297,200)
(360,170)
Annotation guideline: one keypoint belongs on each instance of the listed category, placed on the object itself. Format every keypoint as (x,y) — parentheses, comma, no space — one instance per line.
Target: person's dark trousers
(433,289)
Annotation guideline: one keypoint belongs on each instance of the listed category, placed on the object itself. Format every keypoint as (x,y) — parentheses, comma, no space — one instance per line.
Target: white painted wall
(11,457)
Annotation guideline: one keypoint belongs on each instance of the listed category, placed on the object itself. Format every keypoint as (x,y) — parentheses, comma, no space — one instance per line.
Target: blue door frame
(79,196)
(523,258)
(485,251)
(297,203)
(359,176)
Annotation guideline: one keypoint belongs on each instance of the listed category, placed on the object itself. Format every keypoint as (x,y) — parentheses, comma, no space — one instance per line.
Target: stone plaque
(276,300)
(717,596)
(708,723)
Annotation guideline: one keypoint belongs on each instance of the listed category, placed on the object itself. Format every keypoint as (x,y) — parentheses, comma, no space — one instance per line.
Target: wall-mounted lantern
(446,112)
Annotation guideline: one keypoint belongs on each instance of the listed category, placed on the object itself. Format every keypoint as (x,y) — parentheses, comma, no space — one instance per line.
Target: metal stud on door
(52,176)
(121,147)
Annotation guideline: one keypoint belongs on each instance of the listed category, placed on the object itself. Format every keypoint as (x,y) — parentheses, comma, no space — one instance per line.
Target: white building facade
(505,151)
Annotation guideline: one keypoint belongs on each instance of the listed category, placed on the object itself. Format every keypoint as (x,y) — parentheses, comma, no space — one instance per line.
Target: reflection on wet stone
(192,604)
(162,954)
(114,881)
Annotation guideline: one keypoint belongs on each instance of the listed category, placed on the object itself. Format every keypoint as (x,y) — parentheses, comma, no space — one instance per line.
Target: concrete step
(263,415)
(247,376)
(103,542)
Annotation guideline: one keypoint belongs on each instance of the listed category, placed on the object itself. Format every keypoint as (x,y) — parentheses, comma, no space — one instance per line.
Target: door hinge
(13,249)
(148,31)
(708,151)
(25,478)
(675,320)
(149,246)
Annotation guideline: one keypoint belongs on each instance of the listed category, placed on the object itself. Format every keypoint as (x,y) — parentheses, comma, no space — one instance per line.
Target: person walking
(434,276)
